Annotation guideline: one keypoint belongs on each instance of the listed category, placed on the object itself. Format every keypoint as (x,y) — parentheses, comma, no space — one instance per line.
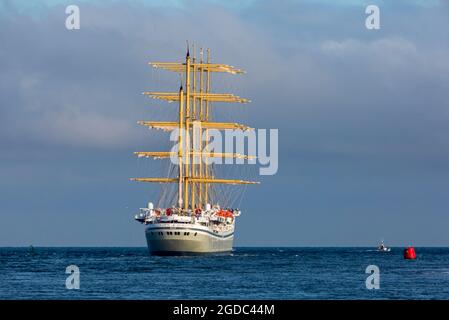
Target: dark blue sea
(247,273)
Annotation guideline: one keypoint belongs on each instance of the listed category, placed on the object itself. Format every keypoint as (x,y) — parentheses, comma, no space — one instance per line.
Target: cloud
(392,52)
(84,129)
(82,88)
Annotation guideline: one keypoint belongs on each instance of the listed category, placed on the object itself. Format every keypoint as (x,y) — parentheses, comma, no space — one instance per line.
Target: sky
(363,117)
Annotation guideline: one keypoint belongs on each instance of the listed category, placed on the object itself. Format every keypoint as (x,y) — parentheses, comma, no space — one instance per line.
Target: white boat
(195,223)
(383,248)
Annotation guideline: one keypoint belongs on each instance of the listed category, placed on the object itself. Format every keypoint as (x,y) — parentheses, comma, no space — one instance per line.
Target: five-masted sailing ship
(193,224)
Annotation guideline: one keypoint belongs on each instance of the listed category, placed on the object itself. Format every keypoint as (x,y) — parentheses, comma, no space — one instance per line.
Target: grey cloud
(362,115)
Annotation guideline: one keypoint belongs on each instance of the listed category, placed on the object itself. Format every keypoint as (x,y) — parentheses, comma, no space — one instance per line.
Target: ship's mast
(193,167)
(193,174)
(180,147)
(187,130)
(206,167)
(200,186)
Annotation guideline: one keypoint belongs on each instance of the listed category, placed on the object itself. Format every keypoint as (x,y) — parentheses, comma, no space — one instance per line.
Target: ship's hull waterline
(175,239)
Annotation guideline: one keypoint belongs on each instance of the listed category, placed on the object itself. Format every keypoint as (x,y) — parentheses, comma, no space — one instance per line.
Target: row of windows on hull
(171,233)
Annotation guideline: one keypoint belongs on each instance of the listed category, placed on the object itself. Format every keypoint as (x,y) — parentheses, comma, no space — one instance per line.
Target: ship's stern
(178,239)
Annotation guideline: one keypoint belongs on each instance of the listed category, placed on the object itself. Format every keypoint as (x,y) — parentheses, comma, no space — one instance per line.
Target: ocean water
(246,273)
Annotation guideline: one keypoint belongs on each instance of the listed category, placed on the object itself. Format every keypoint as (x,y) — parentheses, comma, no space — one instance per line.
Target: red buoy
(410,253)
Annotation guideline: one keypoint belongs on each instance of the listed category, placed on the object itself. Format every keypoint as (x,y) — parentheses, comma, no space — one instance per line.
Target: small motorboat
(383,248)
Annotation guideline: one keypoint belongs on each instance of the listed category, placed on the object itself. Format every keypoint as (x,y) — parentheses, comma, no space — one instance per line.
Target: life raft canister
(409,253)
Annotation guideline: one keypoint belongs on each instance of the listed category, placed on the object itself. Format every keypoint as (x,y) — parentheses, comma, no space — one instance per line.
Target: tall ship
(195,222)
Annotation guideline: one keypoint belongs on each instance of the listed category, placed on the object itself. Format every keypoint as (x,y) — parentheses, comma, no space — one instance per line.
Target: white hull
(187,238)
